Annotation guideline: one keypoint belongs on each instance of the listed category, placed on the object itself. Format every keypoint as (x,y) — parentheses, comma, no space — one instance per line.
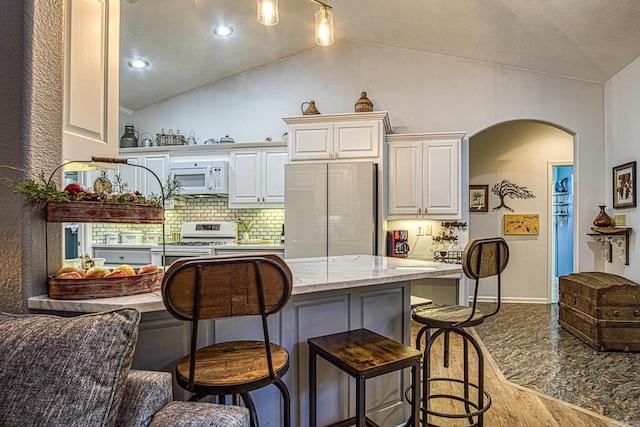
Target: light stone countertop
(310,275)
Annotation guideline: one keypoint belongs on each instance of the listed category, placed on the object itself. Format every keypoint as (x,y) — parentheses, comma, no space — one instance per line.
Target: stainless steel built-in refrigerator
(330,209)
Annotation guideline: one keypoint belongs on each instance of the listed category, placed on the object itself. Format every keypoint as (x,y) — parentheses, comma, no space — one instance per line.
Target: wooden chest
(602,309)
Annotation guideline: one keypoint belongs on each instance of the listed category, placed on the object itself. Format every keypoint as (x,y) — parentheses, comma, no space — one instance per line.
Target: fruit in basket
(70,275)
(74,189)
(149,268)
(116,273)
(96,272)
(126,268)
(70,269)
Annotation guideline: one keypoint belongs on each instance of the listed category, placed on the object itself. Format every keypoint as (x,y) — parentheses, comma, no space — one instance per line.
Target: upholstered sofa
(75,371)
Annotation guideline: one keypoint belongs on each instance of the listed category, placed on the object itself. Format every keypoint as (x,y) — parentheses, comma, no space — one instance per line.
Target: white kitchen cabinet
(337,136)
(91,50)
(424,176)
(135,178)
(256,178)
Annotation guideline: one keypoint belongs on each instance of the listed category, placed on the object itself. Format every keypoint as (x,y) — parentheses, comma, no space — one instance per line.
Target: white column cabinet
(91,45)
(424,176)
(256,178)
(337,136)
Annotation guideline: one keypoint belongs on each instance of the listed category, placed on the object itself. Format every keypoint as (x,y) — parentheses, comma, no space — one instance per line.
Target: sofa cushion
(199,414)
(58,371)
(145,393)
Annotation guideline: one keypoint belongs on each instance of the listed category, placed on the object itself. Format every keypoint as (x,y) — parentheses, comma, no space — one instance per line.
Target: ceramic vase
(602,219)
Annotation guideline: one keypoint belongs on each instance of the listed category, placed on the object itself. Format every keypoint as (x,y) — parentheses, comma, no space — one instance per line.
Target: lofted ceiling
(585,39)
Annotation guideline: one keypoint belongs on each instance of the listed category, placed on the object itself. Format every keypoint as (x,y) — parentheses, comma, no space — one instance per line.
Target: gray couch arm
(147,401)
(146,392)
(200,414)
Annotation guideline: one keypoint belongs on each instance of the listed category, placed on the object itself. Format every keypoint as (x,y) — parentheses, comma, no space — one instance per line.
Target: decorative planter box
(87,211)
(104,287)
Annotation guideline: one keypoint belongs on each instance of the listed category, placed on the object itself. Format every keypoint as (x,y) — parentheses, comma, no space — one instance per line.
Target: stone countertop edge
(310,275)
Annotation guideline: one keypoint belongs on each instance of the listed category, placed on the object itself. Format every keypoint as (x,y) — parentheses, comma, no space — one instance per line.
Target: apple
(127,269)
(70,275)
(116,273)
(96,272)
(70,269)
(75,188)
(149,268)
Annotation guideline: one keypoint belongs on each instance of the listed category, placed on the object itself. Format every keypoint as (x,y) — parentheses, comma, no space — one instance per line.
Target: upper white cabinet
(135,178)
(424,176)
(337,136)
(256,178)
(91,45)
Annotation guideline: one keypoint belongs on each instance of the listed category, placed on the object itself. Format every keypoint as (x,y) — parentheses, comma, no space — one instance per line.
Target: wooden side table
(363,354)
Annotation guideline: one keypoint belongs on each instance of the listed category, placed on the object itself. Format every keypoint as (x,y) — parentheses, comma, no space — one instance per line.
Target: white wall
(519,152)
(422,93)
(622,110)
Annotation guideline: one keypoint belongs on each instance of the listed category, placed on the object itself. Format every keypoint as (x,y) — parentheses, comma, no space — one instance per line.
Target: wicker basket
(364,105)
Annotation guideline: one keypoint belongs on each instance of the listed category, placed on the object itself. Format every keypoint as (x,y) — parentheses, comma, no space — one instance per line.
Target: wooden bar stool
(363,354)
(482,258)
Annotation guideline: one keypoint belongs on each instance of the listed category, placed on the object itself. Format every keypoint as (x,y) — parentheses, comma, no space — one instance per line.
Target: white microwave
(202,177)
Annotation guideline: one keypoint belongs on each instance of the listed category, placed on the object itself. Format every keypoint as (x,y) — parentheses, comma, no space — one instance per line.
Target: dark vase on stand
(602,220)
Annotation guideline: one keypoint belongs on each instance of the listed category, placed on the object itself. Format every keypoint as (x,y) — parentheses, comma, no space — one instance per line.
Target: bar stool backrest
(484,258)
(203,288)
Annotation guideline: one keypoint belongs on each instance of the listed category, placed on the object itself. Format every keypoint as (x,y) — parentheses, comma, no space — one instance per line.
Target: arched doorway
(521,153)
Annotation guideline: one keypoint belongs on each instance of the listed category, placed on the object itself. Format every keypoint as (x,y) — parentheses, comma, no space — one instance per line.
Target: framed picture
(521,224)
(624,181)
(478,198)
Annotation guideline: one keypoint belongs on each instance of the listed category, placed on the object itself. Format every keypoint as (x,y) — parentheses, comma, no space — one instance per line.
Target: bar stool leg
(312,388)
(361,420)
(415,394)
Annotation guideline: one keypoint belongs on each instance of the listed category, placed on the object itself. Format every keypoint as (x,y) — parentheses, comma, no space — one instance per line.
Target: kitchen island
(330,295)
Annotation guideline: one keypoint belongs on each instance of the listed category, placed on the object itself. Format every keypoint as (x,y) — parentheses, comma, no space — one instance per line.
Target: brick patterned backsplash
(267,223)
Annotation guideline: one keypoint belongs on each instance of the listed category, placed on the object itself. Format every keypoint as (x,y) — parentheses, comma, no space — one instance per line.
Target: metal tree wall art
(506,188)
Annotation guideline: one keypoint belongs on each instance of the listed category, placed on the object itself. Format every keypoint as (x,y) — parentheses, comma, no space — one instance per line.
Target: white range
(196,239)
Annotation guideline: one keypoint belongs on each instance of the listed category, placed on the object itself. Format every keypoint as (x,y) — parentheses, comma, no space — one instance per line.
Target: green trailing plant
(37,188)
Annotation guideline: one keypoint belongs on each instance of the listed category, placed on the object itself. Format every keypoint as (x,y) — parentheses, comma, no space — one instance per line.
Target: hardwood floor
(512,405)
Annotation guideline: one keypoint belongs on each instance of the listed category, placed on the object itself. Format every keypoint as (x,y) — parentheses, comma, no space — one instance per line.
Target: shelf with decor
(610,239)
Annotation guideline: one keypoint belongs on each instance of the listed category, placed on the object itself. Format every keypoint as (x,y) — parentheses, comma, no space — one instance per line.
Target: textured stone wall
(31,76)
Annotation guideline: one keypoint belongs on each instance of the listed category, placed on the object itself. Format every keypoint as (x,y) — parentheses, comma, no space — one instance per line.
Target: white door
(245,178)
(356,140)
(311,141)
(91,44)
(273,162)
(405,178)
(441,181)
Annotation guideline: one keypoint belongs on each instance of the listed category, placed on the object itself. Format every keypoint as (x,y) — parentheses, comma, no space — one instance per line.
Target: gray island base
(330,295)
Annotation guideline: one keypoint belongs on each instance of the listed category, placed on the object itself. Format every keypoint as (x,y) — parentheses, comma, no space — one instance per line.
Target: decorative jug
(602,220)
(130,138)
(311,109)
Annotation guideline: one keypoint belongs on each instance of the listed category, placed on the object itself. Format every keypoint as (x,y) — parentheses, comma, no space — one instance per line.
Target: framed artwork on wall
(624,181)
(521,224)
(478,198)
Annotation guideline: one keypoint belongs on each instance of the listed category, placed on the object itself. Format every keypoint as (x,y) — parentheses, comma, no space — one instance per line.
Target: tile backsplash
(267,223)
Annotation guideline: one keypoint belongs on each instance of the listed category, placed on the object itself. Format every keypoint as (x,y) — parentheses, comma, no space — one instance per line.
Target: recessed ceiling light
(138,63)
(223,30)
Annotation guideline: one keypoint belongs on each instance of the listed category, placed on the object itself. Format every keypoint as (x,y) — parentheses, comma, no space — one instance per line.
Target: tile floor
(532,350)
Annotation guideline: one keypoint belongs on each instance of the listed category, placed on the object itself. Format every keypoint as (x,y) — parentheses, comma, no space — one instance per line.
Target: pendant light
(268,12)
(324,25)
